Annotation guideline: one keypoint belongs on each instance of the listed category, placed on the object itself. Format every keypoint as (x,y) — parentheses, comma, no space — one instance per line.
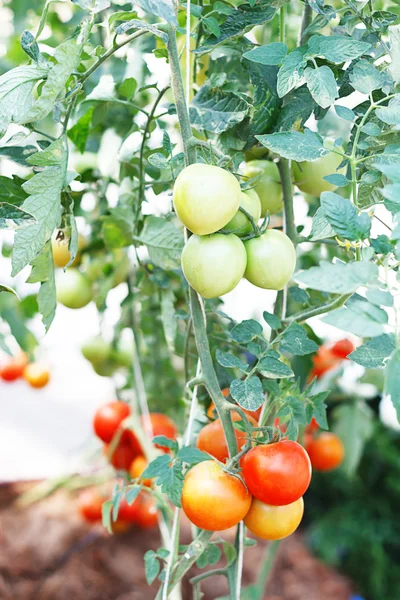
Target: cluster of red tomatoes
(126,455)
(329,357)
(19,367)
(209,202)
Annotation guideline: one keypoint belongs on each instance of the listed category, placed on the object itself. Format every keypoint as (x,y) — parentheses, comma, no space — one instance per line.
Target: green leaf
(379,297)
(322,85)
(390,114)
(43,203)
(117,227)
(11,190)
(230,552)
(169,476)
(210,556)
(392,380)
(291,73)
(271,54)
(151,566)
(247,393)
(245,331)
(295,145)
(365,78)
(238,23)
(6,288)
(293,412)
(212,25)
(127,88)
(156,467)
(374,353)
(272,368)
(216,110)
(163,240)
(273,321)
(169,320)
(12,217)
(94,6)
(337,179)
(320,227)
(79,133)
(159,8)
(192,456)
(106,511)
(135,24)
(296,341)
(162,440)
(338,277)
(229,361)
(337,48)
(16,97)
(345,113)
(298,108)
(18,154)
(359,317)
(353,423)
(30,46)
(318,405)
(67,56)
(342,215)
(43,271)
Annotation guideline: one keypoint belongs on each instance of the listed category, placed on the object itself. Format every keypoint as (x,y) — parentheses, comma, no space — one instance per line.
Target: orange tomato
(90,503)
(274,522)
(211,438)
(342,348)
(122,456)
(14,368)
(326,451)
(323,361)
(137,467)
(212,499)
(37,375)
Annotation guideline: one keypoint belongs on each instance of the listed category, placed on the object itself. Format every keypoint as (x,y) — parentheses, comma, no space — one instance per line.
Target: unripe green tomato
(268,187)
(309,176)
(206,198)
(240,224)
(96,350)
(73,288)
(123,354)
(213,265)
(105,369)
(271,259)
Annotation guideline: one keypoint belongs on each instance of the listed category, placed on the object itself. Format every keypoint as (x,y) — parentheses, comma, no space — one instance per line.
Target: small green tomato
(271,260)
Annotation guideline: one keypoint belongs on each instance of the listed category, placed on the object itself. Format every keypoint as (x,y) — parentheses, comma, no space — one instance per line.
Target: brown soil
(48,553)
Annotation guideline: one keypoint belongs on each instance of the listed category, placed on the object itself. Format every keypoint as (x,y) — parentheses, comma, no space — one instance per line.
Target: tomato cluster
(19,367)
(329,357)
(207,200)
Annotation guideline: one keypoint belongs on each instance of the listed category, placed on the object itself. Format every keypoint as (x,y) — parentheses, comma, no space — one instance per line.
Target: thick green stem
(287,189)
(319,310)
(307,20)
(265,570)
(282,16)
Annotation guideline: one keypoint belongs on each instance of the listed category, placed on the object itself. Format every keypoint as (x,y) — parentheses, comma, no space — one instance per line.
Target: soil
(48,553)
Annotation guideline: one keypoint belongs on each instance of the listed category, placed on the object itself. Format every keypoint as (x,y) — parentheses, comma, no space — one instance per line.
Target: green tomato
(271,259)
(268,187)
(213,265)
(240,224)
(96,350)
(105,369)
(309,176)
(206,198)
(73,288)
(123,354)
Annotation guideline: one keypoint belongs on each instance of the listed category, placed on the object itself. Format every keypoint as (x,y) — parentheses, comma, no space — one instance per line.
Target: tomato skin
(122,456)
(342,348)
(206,198)
(271,260)
(73,288)
(36,375)
(142,512)
(274,522)
(90,504)
(162,425)
(211,438)
(213,499)
(268,187)
(309,176)
(213,265)
(14,368)
(108,418)
(136,469)
(61,255)
(96,350)
(326,451)
(277,473)
(240,224)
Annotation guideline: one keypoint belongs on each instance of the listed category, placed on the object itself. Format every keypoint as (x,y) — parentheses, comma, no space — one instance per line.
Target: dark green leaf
(247,393)
(337,179)
(273,321)
(12,217)
(80,131)
(296,341)
(192,456)
(295,145)
(216,110)
(342,215)
(43,271)
(245,331)
(271,54)
(322,85)
(291,73)
(30,46)
(273,368)
(229,361)
(374,353)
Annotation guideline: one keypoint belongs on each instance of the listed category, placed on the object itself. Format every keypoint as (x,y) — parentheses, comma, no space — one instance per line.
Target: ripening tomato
(73,288)
(206,198)
(108,419)
(271,260)
(277,473)
(142,511)
(37,375)
(162,425)
(122,457)
(90,504)
(309,176)
(214,264)
(211,438)
(326,451)
(14,367)
(342,348)
(137,467)
(323,361)
(212,499)
(61,255)
(268,187)
(274,522)
(240,224)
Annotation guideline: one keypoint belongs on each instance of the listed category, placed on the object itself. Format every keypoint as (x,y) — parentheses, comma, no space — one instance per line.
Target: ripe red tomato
(326,451)
(211,438)
(212,499)
(162,425)
(122,456)
(108,418)
(14,368)
(137,467)
(323,361)
(278,473)
(142,511)
(90,503)
(342,348)
(274,522)
(36,375)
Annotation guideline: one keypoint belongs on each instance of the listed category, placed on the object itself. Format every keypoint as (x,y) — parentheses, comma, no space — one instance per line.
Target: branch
(320,310)
(307,20)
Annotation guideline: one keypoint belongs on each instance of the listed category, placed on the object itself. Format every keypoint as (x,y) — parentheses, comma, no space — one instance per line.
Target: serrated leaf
(43,272)
(168,474)
(322,85)
(12,217)
(319,408)
(160,8)
(210,556)
(192,456)
(245,331)
(338,277)
(359,317)
(271,54)
(163,240)
(43,203)
(291,73)
(342,215)
(217,110)
(337,48)
(247,393)
(392,380)
(365,78)
(165,442)
(298,108)
(79,133)
(229,361)
(353,423)
(273,368)
(320,227)
(296,341)
(151,566)
(374,353)
(156,467)
(295,145)
(273,321)
(293,411)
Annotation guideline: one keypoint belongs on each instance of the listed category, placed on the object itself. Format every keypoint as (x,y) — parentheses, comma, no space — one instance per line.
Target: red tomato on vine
(211,438)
